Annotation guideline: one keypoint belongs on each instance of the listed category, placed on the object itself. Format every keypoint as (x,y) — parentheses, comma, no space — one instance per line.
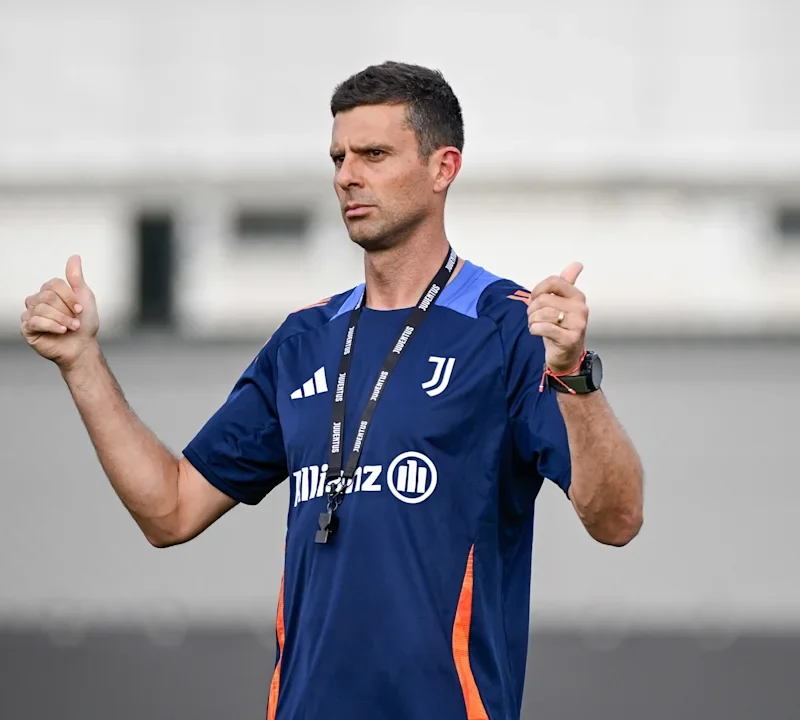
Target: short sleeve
(240,449)
(540,434)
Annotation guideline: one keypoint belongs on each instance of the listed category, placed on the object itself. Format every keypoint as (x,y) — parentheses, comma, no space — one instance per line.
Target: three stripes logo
(315,386)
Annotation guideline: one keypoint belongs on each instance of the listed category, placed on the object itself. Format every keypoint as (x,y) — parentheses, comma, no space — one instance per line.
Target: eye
(376,153)
(337,160)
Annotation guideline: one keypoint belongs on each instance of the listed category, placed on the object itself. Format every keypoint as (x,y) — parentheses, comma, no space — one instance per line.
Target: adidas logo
(315,386)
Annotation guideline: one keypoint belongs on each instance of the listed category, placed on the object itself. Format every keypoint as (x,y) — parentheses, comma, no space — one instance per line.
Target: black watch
(587,379)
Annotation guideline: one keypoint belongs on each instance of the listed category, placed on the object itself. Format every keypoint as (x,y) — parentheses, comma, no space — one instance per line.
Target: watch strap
(577,384)
(581,380)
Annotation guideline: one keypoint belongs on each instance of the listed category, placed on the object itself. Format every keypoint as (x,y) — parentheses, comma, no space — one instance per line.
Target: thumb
(75,273)
(571,272)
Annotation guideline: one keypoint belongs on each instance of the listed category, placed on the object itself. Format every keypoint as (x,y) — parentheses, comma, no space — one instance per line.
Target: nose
(348,174)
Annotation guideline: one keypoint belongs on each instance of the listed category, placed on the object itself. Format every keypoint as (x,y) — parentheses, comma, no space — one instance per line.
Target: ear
(445,165)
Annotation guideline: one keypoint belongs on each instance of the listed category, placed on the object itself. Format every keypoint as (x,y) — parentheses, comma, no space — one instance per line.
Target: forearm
(142,471)
(607,476)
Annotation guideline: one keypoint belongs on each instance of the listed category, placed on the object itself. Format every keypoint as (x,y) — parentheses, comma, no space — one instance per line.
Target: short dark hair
(433,110)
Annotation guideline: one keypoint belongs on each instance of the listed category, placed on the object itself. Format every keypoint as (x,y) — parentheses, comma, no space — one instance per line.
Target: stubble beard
(384,236)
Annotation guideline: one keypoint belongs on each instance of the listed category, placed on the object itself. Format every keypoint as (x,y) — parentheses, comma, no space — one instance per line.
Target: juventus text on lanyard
(329,521)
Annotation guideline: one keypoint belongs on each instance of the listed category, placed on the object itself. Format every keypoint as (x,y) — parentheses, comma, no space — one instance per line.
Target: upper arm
(539,431)
(200,504)
(239,452)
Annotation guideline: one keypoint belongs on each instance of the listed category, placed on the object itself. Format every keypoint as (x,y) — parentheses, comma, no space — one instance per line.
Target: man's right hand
(61,322)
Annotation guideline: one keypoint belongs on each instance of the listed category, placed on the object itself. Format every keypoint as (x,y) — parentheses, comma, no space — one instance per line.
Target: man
(415,417)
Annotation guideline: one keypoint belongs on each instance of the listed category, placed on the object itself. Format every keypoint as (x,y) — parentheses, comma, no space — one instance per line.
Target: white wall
(689,87)
(656,260)
(39,232)
(647,139)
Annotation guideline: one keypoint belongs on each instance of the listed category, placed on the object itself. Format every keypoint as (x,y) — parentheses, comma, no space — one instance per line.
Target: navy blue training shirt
(418,608)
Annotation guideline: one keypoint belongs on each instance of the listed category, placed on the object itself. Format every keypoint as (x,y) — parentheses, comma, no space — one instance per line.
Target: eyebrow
(361,149)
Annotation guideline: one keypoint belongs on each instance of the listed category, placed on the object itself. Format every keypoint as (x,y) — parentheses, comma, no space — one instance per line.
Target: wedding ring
(560,318)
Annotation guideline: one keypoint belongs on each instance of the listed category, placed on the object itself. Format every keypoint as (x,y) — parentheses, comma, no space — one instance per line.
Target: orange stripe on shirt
(523,295)
(461,630)
(319,303)
(275,686)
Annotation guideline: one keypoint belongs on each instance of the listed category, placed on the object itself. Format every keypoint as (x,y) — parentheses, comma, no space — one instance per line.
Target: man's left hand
(558,313)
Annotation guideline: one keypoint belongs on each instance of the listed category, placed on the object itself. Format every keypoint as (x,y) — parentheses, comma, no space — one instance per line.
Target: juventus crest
(442,371)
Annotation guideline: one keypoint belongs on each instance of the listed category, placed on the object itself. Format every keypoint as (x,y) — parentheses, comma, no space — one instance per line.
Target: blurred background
(181,149)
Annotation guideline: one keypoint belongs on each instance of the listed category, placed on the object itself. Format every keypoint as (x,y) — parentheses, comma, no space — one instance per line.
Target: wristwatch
(586,380)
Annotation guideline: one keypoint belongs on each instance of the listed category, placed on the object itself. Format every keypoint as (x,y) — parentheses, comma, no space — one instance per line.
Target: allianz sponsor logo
(411,477)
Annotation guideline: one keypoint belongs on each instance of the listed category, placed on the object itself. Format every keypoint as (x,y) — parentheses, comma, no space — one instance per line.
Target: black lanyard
(339,479)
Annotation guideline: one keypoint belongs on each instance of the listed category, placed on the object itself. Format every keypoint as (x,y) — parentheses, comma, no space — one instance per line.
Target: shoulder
(505,302)
(313,316)
(478,292)
(481,293)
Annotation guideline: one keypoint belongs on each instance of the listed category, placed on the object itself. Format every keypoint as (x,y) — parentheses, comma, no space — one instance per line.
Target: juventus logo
(441,375)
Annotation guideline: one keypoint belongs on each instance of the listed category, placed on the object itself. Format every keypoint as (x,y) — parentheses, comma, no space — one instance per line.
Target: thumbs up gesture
(558,313)
(60,321)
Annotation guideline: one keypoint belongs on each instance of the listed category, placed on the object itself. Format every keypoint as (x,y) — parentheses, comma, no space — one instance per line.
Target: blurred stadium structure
(181,149)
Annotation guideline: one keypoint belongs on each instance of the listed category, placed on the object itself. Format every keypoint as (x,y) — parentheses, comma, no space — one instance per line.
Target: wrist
(584,378)
(83,365)
(567,370)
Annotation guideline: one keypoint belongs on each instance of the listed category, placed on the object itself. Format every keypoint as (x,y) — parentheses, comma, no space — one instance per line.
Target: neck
(396,278)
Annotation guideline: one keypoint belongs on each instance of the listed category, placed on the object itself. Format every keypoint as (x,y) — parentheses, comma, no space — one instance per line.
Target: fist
(60,321)
(557,313)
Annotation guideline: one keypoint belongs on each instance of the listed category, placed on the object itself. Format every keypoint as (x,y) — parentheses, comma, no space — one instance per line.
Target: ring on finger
(560,317)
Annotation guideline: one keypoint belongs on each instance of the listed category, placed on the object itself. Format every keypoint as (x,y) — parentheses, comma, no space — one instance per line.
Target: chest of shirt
(443,396)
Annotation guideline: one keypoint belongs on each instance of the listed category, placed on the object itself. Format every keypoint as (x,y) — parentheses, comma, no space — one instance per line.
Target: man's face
(385,190)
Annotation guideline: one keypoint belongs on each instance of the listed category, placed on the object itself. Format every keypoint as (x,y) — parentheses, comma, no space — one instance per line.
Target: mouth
(356,210)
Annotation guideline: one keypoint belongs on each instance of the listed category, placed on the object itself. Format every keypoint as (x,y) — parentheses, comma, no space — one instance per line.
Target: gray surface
(225,674)
(716,426)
